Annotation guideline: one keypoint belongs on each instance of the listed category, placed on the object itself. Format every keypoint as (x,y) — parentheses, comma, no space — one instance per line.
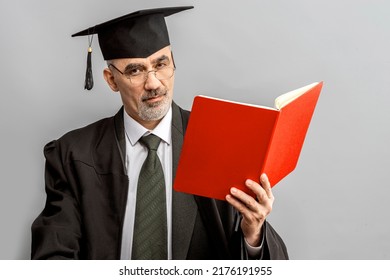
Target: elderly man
(109,184)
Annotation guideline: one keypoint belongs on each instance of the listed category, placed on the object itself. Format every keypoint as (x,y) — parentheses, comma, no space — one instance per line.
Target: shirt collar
(135,130)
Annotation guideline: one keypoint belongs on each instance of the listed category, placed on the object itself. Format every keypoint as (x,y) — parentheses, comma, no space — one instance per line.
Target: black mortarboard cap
(135,35)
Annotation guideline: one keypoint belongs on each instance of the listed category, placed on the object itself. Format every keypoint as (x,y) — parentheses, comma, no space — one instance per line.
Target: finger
(239,206)
(250,209)
(259,191)
(250,217)
(265,183)
(243,201)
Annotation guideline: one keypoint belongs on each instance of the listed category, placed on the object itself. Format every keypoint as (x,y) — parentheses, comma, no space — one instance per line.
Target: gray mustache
(153,93)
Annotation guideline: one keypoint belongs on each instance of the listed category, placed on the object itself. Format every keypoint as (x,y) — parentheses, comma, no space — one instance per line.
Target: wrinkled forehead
(158,56)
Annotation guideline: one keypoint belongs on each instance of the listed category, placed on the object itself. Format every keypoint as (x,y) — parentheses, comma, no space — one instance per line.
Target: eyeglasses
(139,75)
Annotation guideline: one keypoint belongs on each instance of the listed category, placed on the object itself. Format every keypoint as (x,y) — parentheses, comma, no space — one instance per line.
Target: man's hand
(253,211)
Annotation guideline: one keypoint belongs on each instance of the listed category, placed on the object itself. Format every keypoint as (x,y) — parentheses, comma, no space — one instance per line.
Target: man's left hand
(254,212)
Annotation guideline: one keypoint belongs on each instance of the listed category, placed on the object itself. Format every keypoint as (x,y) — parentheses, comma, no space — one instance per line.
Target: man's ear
(109,77)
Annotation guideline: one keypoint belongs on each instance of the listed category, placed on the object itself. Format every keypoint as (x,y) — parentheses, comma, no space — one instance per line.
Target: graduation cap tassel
(88,74)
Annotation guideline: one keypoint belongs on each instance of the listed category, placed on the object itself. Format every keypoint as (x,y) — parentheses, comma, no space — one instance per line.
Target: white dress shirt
(136,154)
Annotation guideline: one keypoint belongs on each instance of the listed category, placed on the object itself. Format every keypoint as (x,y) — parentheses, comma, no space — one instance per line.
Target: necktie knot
(151,141)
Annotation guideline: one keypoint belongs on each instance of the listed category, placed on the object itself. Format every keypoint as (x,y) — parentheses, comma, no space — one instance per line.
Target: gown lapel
(184,208)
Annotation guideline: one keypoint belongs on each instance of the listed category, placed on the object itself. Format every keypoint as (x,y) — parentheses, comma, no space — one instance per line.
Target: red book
(228,142)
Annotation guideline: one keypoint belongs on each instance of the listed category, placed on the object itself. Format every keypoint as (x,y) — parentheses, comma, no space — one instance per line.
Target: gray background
(333,206)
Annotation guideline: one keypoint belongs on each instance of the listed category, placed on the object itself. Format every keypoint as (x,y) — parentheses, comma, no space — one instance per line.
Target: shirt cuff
(254,252)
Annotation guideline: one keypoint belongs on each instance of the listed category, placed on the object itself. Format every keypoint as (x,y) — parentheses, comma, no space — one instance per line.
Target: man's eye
(134,72)
(161,65)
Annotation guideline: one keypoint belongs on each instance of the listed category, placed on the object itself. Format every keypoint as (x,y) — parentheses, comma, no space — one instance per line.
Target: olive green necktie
(150,225)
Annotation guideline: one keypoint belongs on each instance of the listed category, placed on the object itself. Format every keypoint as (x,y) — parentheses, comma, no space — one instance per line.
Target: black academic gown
(86,187)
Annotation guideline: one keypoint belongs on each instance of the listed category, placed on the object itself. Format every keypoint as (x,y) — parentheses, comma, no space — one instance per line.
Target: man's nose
(151,81)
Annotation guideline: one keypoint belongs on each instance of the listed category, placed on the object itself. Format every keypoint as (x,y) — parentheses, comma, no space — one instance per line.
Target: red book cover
(228,142)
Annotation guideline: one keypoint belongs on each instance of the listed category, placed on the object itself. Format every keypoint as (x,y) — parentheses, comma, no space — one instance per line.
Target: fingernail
(248,182)
(264,177)
(233,190)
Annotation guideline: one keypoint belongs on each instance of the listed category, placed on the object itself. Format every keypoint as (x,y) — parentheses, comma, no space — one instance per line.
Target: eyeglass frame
(146,75)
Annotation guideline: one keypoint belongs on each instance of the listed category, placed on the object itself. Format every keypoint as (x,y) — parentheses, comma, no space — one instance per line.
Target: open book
(228,142)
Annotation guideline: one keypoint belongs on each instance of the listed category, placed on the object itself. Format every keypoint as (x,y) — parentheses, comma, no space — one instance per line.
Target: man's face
(145,101)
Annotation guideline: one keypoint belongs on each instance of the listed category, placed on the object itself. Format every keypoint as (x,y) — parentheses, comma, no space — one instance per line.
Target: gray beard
(156,111)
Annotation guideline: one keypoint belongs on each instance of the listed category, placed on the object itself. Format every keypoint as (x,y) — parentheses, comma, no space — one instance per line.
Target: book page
(240,103)
(288,97)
